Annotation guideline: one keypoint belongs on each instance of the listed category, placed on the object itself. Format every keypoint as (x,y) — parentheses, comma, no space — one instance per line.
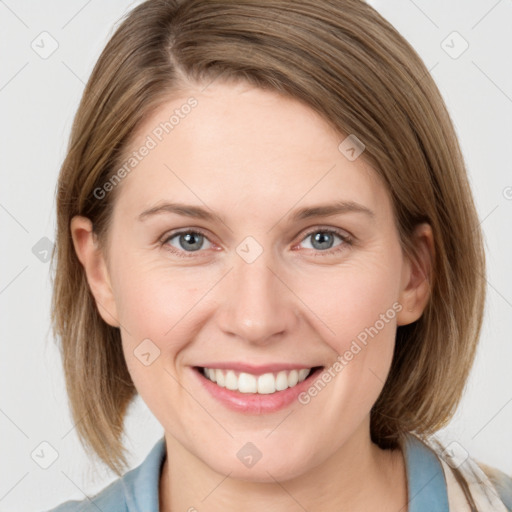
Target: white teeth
(231,380)
(293,378)
(265,384)
(281,381)
(220,378)
(247,383)
(303,374)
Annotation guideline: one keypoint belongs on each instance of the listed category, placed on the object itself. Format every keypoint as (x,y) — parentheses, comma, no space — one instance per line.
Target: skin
(254,157)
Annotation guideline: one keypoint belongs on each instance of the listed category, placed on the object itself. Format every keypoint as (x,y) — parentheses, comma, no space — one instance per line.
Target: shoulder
(110,499)
(501,481)
(488,488)
(136,490)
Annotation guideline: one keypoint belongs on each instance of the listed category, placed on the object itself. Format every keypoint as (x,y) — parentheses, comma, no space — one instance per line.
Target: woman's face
(250,273)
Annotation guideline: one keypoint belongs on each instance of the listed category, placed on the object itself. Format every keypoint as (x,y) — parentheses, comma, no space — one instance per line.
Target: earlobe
(93,261)
(416,276)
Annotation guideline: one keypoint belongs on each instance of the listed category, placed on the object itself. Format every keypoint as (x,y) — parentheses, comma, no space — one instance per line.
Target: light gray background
(38,98)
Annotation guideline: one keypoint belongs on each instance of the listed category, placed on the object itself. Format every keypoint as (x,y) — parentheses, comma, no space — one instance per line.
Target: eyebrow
(307,212)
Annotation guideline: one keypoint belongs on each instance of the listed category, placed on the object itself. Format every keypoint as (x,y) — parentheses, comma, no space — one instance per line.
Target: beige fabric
(456,498)
(482,490)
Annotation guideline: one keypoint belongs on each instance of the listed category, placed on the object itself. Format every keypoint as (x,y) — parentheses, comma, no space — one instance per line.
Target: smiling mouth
(265,384)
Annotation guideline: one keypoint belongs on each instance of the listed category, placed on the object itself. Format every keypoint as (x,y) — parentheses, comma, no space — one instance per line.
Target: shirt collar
(425,479)
(141,485)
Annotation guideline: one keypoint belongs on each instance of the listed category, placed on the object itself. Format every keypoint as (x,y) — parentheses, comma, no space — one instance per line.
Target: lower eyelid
(345,240)
(165,241)
(344,237)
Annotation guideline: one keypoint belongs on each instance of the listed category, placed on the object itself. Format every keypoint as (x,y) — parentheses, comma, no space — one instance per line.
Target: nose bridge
(257,306)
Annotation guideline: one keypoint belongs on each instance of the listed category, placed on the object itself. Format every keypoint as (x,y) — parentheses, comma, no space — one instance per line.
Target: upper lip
(256,369)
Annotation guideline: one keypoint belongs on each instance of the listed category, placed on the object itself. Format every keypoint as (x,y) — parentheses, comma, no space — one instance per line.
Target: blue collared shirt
(138,489)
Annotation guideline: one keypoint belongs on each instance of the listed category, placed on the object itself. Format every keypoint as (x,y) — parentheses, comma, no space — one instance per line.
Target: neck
(359,476)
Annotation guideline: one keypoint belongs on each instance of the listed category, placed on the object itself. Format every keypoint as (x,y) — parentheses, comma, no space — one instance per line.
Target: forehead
(241,146)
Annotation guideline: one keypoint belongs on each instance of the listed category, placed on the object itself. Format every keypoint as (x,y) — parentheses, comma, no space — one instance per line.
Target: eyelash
(346,239)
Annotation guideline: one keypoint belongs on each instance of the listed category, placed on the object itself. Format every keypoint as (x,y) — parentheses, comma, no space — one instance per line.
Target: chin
(279,466)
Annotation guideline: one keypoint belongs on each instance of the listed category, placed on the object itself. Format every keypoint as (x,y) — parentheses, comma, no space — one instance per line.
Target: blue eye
(188,241)
(184,243)
(323,239)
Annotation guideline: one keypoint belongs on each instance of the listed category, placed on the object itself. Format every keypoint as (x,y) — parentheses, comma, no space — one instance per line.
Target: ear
(416,276)
(92,259)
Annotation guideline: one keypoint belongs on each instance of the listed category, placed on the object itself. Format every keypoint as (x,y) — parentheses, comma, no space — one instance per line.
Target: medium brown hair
(342,59)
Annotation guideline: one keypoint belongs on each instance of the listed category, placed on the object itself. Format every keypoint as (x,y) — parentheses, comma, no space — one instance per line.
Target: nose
(257,305)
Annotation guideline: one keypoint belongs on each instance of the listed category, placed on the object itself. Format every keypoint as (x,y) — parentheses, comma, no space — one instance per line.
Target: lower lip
(254,403)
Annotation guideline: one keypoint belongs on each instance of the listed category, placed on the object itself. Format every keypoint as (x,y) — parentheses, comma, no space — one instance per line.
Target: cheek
(152,306)
(353,299)
(356,311)
(151,298)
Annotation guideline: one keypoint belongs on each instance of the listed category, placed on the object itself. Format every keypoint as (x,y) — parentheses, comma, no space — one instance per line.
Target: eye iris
(193,241)
(189,238)
(320,237)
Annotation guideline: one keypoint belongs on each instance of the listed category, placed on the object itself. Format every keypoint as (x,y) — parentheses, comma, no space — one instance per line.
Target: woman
(265,229)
